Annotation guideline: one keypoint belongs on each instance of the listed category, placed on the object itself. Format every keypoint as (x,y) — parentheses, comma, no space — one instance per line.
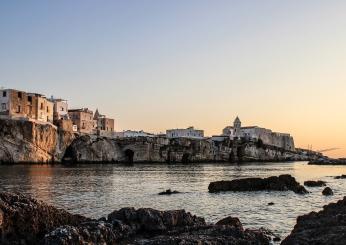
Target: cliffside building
(189,132)
(42,107)
(17,104)
(60,109)
(83,119)
(282,140)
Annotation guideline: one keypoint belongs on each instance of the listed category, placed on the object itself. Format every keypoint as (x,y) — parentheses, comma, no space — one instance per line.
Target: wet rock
(151,220)
(231,221)
(274,183)
(313,183)
(213,235)
(96,232)
(340,177)
(26,220)
(327,191)
(324,227)
(169,192)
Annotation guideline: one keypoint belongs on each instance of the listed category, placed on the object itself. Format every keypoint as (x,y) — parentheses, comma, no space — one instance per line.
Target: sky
(154,64)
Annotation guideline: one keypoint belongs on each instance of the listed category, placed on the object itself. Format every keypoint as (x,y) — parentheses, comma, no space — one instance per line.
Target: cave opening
(129,154)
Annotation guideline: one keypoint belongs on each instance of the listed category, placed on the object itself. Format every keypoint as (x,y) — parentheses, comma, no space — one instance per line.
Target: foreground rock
(327,191)
(274,183)
(325,227)
(313,183)
(24,220)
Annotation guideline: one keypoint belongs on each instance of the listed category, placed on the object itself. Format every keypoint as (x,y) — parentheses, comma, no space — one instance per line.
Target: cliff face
(25,141)
(145,149)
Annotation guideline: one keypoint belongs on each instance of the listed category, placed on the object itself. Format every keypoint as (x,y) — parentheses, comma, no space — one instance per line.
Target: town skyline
(155,65)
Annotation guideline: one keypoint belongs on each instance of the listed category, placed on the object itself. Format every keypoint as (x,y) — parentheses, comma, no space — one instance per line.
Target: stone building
(14,104)
(42,108)
(282,140)
(17,104)
(189,132)
(83,119)
(60,109)
(104,123)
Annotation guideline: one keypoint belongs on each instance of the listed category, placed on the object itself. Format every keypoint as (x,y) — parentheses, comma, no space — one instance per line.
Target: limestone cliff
(26,141)
(146,149)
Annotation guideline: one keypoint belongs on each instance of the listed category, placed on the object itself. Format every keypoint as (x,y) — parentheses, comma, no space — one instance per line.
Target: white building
(132,134)
(255,133)
(60,110)
(189,132)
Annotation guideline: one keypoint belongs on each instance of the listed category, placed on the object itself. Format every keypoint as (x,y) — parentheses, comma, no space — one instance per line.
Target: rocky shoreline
(24,220)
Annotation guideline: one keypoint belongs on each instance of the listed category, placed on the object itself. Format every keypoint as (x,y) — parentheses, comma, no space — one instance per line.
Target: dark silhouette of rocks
(274,183)
(28,220)
(24,220)
(340,177)
(324,227)
(327,191)
(169,192)
(313,183)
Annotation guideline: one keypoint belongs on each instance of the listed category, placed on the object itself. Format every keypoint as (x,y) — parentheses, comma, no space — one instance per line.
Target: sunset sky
(154,65)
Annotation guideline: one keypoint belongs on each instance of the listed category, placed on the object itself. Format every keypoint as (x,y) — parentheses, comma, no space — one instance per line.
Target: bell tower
(236,126)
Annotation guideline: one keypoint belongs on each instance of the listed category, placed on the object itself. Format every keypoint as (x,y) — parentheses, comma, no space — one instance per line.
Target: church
(268,137)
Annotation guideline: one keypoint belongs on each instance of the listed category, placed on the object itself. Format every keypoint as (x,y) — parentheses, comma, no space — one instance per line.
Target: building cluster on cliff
(36,107)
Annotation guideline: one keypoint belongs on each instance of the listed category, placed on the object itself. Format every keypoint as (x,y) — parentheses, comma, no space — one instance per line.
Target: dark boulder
(95,232)
(231,221)
(26,220)
(313,183)
(324,227)
(327,191)
(169,192)
(274,183)
(270,204)
(151,220)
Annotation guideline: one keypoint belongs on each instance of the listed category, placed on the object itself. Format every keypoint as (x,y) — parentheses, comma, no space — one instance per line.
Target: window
(30,99)
(4,94)
(18,109)
(3,106)
(41,106)
(47,109)
(20,95)
(62,108)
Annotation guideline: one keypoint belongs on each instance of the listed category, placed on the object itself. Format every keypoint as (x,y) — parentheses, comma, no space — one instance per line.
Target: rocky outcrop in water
(327,191)
(328,161)
(314,183)
(24,221)
(325,227)
(274,183)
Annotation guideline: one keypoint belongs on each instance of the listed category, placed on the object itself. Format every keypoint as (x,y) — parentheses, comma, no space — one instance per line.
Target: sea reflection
(96,190)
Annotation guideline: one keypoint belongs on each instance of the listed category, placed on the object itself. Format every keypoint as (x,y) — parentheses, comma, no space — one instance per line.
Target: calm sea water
(96,190)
